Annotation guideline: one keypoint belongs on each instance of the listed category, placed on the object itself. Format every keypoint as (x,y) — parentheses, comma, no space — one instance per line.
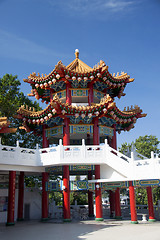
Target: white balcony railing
(112,162)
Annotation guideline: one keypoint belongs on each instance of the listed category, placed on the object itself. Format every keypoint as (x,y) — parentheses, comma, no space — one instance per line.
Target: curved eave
(106,108)
(4,126)
(4,122)
(8,130)
(56,107)
(64,74)
(126,119)
(87,74)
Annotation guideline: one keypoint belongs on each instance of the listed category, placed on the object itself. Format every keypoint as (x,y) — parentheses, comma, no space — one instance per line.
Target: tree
(144,145)
(10,100)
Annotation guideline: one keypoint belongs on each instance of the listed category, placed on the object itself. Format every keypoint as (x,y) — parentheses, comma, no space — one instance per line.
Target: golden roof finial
(77,53)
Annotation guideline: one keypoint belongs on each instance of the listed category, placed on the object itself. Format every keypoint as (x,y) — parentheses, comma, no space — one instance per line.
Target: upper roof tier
(79,75)
(78,66)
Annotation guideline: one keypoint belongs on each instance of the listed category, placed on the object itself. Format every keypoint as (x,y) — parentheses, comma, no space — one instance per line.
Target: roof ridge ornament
(77,53)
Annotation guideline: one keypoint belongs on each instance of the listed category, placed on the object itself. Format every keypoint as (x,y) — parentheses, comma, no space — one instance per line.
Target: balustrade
(130,167)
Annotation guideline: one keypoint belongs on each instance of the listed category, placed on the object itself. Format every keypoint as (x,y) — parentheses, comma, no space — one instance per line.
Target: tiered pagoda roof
(79,75)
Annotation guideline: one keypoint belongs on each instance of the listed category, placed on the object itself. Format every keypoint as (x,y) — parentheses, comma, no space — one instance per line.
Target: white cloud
(87,6)
(117,6)
(15,47)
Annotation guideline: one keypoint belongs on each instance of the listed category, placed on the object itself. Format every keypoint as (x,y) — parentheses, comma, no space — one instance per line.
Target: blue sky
(36,34)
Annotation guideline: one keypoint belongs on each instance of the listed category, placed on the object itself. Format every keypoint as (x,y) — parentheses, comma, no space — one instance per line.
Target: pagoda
(81,105)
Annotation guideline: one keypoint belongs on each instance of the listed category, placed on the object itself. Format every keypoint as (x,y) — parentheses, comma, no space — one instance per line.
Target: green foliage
(79,196)
(10,100)
(125,148)
(141,196)
(32,181)
(57,197)
(144,145)
(156,195)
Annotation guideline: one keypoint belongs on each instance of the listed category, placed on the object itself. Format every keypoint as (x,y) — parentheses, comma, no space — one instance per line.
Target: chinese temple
(80,105)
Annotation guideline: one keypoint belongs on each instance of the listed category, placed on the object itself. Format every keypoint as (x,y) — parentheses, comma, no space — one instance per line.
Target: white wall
(3,215)
(30,197)
(33,197)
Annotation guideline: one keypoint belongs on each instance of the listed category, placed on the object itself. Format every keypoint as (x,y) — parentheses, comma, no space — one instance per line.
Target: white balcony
(114,165)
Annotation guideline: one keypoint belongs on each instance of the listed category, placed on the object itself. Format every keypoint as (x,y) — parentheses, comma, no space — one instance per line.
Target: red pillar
(112,203)
(117,204)
(132,203)
(114,138)
(90,198)
(11,198)
(45,141)
(99,215)
(44,197)
(150,205)
(68,94)
(117,193)
(90,94)
(66,191)
(20,196)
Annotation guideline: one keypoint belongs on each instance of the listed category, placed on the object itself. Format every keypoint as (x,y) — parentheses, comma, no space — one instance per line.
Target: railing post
(17,143)
(132,156)
(152,155)
(61,149)
(17,155)
(153,164)
(106,149)
(132,170)
(83,149)
(37,154)
(0,144)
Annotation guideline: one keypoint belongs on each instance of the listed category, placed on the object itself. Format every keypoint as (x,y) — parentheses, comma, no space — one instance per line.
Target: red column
(20,196)
(68,94)
(51,96)
(112,203)
(95,131)
(44,197)
(90,94)
(117,204)
(150,205)
(11,198)
(117,193)
(90,198)
(66,191)
(132,203)
(114,138)
(45,141)
(99,215)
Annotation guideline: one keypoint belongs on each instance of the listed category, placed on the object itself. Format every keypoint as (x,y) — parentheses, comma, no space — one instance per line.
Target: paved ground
(86,230)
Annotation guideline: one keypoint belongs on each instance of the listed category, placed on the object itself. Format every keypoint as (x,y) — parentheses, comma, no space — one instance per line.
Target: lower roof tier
(106,112)
(4,126)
